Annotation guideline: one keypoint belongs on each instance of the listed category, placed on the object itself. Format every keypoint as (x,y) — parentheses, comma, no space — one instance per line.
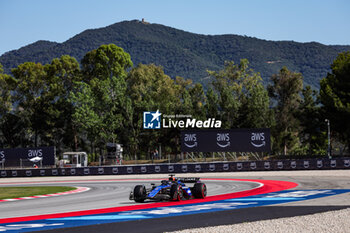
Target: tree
(11,134)
(63,74)
(212,104)
(100,101)
(198,100)
(311,122)
(106,62)
(149,89)
(85,116)
(7,84)
(191,98)
(31,95)
(285,91)
(184,96)
(242,99)
(335,97)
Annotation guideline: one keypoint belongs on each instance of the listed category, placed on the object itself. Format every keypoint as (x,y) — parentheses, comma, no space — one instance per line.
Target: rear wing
(189,179)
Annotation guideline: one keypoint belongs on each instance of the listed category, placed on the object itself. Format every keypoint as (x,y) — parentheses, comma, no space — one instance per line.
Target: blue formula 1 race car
(173,189)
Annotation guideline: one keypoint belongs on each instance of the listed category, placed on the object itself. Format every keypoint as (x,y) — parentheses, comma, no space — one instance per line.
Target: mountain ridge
(187,54)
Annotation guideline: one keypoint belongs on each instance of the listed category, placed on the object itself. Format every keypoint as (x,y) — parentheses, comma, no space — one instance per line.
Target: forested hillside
(187,54)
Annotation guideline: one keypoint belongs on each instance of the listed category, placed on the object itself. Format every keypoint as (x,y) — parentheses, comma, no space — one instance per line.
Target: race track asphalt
(103,194)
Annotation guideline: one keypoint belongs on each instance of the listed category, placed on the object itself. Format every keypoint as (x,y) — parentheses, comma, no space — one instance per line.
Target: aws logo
(35,153)
(190,140)
(223,139)
(258,139)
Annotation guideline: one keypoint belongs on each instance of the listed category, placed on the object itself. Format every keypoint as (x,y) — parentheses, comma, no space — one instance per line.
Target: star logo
(151,120)
(156,116)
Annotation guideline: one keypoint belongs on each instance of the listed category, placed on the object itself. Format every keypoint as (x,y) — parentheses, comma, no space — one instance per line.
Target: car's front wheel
(176,192)
(199,190)
(140,193)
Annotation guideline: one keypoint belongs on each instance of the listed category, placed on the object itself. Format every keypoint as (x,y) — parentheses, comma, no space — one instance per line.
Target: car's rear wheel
(199,190)
(140,193)
(176,192)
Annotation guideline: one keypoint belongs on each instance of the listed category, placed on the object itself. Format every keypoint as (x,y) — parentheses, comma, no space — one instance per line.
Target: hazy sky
(326,21)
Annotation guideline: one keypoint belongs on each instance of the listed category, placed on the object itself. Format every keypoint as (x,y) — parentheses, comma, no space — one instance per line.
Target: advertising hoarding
(233,140)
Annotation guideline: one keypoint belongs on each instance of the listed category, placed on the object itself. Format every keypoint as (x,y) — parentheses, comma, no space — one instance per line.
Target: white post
(329,138)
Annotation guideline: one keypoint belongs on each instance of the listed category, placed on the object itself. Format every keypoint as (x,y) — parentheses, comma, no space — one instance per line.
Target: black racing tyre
(199,190)
(140,193)
(176,192)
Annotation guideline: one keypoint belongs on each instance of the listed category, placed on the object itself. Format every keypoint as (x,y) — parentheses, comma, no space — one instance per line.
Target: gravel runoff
(332,221)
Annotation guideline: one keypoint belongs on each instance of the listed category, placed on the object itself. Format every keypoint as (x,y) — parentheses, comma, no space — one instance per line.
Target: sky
(23,22)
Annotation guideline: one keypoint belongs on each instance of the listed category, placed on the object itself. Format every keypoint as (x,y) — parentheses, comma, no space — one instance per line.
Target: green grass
(15,192)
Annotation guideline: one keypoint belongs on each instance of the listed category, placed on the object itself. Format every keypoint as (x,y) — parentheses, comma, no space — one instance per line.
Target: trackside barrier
(275,165)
